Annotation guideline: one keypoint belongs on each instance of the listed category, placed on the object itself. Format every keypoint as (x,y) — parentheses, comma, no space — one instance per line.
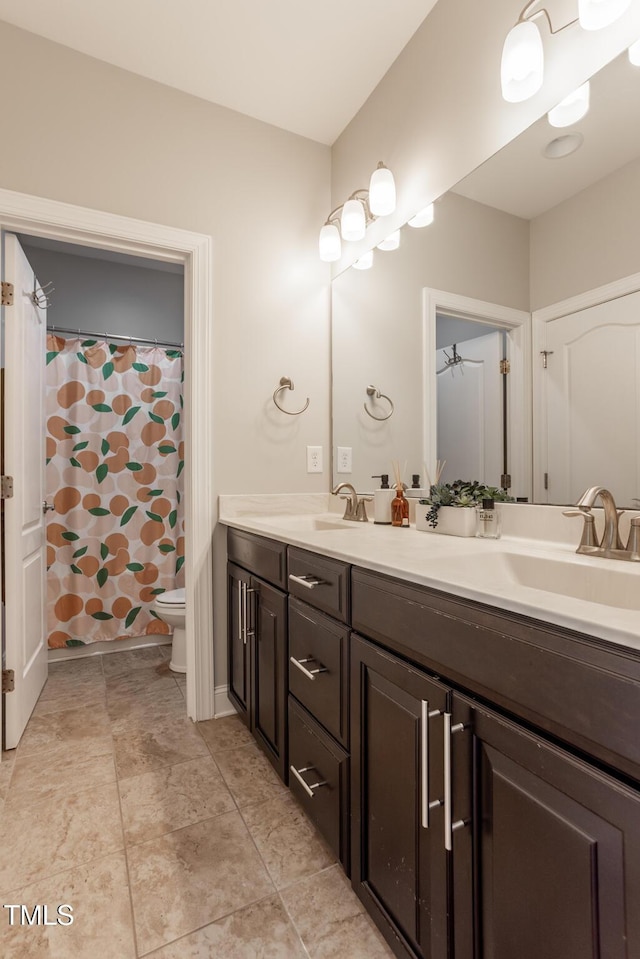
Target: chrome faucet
(355,508)
(610,546)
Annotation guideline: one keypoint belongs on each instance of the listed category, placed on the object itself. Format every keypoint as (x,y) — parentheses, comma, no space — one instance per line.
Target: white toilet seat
(173,597)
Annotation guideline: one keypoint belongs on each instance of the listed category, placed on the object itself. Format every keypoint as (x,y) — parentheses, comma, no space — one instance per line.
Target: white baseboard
(222,704)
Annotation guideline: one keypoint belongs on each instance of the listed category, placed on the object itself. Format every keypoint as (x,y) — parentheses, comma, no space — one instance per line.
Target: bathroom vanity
(484,794)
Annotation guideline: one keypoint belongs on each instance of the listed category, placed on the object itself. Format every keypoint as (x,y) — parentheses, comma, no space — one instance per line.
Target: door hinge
(6,487)
(546,481)
(505,367)
(545,354)
(8,680)
(505,481)
(7,294)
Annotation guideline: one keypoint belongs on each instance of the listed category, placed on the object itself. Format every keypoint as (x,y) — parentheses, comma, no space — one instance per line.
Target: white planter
(452,520)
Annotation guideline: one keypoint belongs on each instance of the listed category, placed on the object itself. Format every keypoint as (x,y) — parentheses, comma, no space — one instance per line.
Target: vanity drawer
(320,581)
(266,558)
(315,758)
(318,667)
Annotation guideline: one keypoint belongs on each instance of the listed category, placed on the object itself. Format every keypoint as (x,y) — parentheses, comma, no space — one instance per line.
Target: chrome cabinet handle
(425,715)
(247,632)
(307,788)
(241,634)
(307,580)
(449,826)
(309,673)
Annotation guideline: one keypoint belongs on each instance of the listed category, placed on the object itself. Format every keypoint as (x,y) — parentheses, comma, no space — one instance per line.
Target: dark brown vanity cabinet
(473,836)
(319,690)
(257,640)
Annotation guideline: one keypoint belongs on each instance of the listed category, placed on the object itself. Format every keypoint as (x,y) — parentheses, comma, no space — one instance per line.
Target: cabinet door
(268,629)
(399,865)
(238,582)
(555,845)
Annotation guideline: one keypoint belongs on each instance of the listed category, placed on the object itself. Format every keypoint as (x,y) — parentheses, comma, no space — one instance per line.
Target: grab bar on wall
(373,391)
(114,336)
(286,383)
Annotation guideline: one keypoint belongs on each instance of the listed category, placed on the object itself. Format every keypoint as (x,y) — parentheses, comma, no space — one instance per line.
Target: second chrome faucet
(610,545)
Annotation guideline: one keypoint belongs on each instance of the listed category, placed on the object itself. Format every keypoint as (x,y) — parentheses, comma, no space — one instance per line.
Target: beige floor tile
(144,681)
(249,775)
(123,662)
(174,796)
(43,838)
(71,685)
(168,741)
(193,876)
(226,733)
(39,777)
(331,920)
(102,928)
(85,731)
(260,931)
(6,772)
(288,842)
(180,678)
(76,670)
(145,710)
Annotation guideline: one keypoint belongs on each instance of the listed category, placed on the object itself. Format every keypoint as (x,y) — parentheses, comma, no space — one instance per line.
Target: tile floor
(168,838)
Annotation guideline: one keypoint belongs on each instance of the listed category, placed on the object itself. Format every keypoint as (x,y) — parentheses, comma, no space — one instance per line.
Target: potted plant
(450,504)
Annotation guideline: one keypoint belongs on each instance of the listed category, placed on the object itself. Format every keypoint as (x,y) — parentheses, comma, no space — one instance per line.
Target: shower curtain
(115,456)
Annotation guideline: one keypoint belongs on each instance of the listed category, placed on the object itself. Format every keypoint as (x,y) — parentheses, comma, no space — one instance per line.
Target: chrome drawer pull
(425,715)
(240,609)
(450,827)
(307,788)
(309,673)
(308,580)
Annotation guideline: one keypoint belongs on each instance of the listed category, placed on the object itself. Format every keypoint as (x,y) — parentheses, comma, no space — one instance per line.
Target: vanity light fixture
(351,219)
(522,66)
(571,109)
(423,217)
(392,242)
(596,14)
(365,262)
(634,53)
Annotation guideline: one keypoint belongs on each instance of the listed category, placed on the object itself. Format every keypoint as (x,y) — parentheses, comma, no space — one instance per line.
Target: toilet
(170,607)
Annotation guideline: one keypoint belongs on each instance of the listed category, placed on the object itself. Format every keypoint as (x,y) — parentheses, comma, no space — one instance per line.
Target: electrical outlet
(314,459)
(345,459)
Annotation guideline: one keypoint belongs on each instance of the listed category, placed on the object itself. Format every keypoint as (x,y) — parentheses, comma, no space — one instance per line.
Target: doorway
(55,221)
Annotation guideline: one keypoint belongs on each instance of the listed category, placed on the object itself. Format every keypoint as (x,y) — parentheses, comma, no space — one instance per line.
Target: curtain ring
(286,383)
(373,391)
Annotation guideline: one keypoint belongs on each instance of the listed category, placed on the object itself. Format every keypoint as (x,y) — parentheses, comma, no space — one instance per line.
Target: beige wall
(90,134)
(438,113)
(588,240)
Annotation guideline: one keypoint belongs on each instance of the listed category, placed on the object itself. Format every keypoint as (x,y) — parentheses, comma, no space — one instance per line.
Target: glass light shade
(382,192)
(522,68)
(365,262)
(571,109)
(352,222)
(392,242)
(634,53)
(595,14)
(329,243)
(423,217)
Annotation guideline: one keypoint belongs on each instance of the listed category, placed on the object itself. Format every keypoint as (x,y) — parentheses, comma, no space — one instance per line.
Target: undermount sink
(595,581)
(311,523)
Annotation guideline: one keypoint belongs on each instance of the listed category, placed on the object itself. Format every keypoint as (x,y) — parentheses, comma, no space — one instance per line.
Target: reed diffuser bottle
(399,505)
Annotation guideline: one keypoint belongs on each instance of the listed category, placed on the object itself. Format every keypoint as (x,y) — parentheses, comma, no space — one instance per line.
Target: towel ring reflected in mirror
(286,383)
(373,391)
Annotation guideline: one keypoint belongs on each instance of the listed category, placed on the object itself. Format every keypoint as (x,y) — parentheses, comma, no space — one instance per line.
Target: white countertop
(494,572)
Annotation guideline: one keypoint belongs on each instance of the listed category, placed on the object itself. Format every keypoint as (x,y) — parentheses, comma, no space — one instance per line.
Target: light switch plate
(314,459)
(345,459)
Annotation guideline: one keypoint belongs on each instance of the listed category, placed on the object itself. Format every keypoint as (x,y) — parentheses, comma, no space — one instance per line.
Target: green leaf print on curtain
(115,539)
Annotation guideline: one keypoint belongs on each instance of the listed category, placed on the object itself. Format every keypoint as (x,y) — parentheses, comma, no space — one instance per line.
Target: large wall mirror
(531,266)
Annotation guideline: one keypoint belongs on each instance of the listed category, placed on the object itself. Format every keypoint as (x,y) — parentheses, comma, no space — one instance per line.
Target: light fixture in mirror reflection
(522,240)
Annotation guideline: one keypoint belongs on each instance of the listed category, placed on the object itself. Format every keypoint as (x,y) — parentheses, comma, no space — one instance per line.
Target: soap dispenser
(382,499)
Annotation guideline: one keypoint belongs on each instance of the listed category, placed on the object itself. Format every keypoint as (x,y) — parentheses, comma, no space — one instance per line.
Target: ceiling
(523,182)
(306,67)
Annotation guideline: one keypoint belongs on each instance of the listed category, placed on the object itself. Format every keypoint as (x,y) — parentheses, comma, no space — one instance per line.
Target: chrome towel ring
(373,391)
(286,383)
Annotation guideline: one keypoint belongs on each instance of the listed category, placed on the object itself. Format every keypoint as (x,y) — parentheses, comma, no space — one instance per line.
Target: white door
(24,460)
(591,388)
(470,434)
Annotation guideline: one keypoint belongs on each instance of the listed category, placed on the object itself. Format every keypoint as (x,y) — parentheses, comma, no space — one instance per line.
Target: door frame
(540,318)
(517,323)
(38,216)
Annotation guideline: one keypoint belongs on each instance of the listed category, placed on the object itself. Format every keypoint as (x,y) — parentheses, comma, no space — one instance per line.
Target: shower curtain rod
(114,336)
